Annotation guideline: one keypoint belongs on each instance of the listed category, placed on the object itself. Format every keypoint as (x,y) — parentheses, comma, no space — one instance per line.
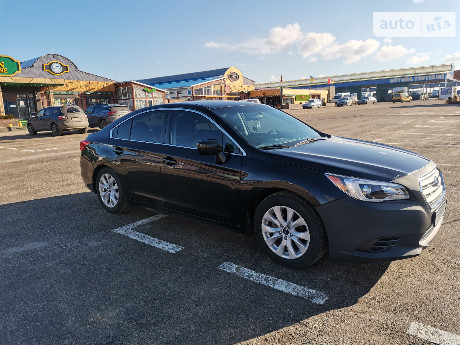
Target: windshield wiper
(273,147)
(308,141)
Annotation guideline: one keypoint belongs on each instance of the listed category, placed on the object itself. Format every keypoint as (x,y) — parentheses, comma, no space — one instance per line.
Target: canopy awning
(13,81)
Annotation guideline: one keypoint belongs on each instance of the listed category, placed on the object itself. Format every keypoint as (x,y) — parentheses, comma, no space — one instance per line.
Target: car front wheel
(289,231)
(111,192)
(55,129)
(31,129)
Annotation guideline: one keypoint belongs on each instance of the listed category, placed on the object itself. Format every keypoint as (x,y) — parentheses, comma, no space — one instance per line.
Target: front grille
(383,244)
(432,188)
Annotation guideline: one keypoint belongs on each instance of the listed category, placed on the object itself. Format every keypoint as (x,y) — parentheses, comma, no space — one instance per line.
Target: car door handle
(118,150)
(169,161)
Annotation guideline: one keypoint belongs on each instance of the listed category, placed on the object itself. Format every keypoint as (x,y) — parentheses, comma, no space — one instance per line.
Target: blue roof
(28,63)
(183,83)
(184,80)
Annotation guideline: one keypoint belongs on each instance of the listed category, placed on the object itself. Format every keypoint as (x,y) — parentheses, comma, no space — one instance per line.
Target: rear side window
(119,109)
(54,111)
(122,131)
(148,127)
(73,110)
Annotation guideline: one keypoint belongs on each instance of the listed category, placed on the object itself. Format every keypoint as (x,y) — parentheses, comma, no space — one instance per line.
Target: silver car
(344,101)
(100,115)
(312,103)
(58,120)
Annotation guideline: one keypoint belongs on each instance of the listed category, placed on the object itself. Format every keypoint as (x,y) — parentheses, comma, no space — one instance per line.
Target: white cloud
(387,40)
(351,51)
(387,53)
(281,38)
(455,57)
(313,43)
(417,1)
(273,78)
(310,45)
(418,59)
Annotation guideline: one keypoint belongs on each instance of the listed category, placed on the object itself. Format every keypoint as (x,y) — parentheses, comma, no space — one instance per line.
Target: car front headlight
(368,190)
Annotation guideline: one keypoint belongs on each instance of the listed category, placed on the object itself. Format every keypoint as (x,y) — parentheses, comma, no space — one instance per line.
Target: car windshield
(265,127)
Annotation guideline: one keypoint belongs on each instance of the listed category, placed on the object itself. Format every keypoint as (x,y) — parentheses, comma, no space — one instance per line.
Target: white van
(339,96)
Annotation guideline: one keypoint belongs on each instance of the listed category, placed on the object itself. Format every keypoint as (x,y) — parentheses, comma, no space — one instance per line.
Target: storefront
(137,95)
(49,80)
(217,84)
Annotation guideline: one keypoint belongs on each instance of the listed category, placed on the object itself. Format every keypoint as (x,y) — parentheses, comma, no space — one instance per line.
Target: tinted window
(188,128)
(122,131)
(73,110)
(148,127)
(119,109)
(263,126)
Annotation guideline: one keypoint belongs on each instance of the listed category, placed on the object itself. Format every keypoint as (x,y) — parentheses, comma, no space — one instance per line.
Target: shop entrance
(21,105)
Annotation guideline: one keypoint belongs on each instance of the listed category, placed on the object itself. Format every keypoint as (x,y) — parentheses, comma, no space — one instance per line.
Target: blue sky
(126,40)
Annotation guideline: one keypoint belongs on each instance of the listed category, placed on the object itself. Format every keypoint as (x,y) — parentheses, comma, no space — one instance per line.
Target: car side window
(123,130)
(148,127)
(41,113)
(189,128)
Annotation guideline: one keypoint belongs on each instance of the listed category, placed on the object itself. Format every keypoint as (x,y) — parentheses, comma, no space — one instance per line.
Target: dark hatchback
(250,166)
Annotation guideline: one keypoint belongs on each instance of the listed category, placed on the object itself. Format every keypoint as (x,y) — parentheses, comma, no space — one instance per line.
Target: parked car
(58,120)
(365,100)
(401,97)
(434,94)
(418,96)
(344,101)
(312,103)
(256,168)
(100,115)
(251,100)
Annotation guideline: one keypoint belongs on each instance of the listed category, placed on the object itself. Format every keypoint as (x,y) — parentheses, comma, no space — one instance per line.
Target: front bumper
(360,230)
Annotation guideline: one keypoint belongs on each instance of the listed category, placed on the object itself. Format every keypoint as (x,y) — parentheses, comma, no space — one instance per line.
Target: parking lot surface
(73,274)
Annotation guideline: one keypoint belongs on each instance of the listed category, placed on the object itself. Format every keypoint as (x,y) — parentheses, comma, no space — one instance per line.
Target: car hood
(352,157)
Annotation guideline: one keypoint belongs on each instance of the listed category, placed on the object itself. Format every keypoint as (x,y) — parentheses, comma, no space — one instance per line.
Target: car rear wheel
(83,130)
(111,192)
(31,129)
(102,124)
(289,231)
(55,129)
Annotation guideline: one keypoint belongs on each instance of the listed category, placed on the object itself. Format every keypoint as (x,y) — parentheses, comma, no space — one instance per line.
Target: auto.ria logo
(414,24)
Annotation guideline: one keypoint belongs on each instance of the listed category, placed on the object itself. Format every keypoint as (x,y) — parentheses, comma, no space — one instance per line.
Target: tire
(83,130)
(55,129)
(31,129)
(110,191)
(102,124)
(297,246)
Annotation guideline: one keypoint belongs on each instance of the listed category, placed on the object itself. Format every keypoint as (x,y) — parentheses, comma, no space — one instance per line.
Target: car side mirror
(212,147)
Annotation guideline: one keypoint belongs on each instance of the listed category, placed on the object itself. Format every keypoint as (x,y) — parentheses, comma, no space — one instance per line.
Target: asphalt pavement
(70,273)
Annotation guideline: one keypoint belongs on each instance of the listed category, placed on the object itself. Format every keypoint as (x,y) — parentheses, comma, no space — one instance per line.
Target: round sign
(56,68)
(233,76)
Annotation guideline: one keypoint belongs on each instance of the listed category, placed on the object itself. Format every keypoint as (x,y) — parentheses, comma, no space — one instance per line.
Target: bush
(6,117)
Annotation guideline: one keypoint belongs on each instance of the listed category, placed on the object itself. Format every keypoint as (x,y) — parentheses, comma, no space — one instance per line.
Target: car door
(196,183)
(47,118)
(90,114)
(138,146)
(36,120)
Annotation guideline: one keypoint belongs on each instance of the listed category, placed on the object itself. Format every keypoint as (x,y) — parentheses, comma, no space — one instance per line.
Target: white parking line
(432,334)
(275,283)
(127,230)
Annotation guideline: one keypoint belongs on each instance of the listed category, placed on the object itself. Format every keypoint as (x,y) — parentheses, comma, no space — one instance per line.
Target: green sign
(149,90)
(9,66)
(302,98)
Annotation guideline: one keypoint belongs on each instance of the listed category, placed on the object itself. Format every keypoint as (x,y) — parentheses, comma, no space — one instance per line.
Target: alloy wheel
(109,190)
(285,232)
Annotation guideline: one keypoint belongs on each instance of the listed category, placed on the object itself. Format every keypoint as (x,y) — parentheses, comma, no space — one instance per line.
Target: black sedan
(255,168)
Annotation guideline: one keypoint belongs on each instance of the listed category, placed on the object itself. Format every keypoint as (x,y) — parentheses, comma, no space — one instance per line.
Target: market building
(53,80)
(379,83)
(223,83)
(290,96)
(50,80)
